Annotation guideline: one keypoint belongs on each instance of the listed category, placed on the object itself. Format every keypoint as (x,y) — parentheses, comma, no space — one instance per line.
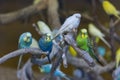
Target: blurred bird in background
(110,9)
(97,33)
(101,50)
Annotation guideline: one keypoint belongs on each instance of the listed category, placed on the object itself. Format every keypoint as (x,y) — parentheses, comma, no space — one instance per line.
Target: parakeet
(97,33)
(117,57)
(83,42)
(101,50)
(110,9)
(25,41)
(44,28)
(46,44)
(72,51)
(70,24)
(47,68)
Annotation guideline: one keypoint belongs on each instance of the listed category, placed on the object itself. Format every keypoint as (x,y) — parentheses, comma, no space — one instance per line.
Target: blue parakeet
(46,44)
(47,68)
(25,41)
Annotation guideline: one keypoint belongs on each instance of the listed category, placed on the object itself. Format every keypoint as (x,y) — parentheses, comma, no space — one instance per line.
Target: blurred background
(10,32)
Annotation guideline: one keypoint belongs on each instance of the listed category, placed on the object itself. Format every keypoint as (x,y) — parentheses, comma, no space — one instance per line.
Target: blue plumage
(25,41)
(47,68)
(46,44)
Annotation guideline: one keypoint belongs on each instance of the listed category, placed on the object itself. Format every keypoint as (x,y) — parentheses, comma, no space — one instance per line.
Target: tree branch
(53,16)
(20,52)
(32,9)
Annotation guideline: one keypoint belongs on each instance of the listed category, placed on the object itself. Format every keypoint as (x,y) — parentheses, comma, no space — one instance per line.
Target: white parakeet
(94,31)
(70,24)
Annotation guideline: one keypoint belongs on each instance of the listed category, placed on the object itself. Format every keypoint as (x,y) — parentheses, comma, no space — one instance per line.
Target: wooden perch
(30,10)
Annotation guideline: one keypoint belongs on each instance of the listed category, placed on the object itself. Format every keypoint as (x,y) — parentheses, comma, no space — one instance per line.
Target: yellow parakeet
(72,51)
(97,33)
(117,57)
(110,9)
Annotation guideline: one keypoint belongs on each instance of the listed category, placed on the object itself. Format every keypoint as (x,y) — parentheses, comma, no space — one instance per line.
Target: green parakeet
(83,42)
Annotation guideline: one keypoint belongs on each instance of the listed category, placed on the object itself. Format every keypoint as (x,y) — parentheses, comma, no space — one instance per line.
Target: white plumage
(70,23)
(97,33)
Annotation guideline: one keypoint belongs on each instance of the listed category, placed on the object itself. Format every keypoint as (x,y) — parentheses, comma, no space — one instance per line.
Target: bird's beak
(83,35)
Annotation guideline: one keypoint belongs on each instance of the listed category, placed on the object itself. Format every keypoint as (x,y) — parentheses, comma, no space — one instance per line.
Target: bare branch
(32,9)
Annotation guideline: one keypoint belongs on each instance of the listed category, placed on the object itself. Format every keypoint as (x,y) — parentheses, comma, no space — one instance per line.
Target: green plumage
(83,42)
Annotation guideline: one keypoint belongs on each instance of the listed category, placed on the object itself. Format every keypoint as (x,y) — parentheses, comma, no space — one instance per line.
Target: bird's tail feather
(105,42)
(19,62)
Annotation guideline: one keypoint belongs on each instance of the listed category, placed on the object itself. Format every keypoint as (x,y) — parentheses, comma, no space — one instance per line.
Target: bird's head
(84,33)
(48,37)
(77,15)
(27,37)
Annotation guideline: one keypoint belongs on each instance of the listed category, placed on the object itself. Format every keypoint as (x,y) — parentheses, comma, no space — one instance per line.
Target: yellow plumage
(117,57)
(72,51)
(110,9)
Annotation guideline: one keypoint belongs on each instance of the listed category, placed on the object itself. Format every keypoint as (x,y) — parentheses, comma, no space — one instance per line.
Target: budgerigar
(84,43)
(110,9)
(117,57)
(97,33)
(47,68)
(43,27)
(25,41)
(70,24)
(46,44)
